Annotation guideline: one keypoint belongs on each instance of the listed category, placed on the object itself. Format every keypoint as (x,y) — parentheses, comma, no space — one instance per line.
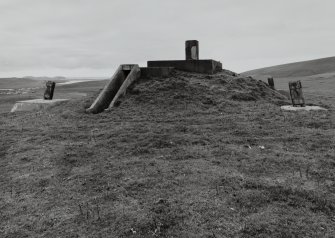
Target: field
(317,89)
(186,156)
(26,89)
(317,77)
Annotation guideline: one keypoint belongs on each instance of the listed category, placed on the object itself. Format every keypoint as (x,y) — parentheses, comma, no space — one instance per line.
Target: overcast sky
(92,37)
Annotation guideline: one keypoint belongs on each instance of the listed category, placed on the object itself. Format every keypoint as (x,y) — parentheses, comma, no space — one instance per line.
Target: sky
(91,38)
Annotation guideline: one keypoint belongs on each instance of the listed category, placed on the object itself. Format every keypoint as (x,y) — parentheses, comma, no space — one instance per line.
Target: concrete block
(134,75)
(49,92)
(36,104)
(192,50)
(199,66)
(124,76)
(297,96)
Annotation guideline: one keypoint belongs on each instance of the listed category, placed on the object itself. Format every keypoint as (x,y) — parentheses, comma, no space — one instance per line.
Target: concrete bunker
(127,74)
(192,62)
(117,87)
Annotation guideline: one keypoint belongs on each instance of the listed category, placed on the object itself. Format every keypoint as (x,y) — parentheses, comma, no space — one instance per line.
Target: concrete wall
(163,72)
(199,66)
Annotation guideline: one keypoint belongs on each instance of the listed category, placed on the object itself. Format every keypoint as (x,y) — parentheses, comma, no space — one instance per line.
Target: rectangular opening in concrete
(126,73)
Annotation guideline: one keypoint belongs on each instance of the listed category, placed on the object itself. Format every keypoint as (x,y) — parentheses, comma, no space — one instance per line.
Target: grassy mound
(186,156)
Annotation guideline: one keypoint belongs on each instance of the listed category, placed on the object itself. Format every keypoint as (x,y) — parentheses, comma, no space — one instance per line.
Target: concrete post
(49,92)
(192,50)
(296,94)
(271,83)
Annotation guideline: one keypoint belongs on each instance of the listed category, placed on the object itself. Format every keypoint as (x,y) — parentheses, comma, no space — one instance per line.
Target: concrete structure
(296,94)
(151,72)
(271,83)
(36,104)
(198,66)
(124,76)
(49,92)
(192,50)
(306,108)
(192,64)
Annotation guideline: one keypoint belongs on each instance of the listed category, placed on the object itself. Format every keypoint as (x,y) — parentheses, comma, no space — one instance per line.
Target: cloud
(99,35)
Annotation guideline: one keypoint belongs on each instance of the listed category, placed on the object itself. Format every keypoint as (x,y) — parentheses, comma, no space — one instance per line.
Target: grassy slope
(180,157)
(299,69)
(17,83)
(317,77)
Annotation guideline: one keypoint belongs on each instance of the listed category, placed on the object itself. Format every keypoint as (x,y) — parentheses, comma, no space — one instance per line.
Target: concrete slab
(306,108)
(36,104)
(199,66)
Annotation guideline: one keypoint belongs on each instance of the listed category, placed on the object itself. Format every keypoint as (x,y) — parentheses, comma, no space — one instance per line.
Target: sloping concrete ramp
(124,76)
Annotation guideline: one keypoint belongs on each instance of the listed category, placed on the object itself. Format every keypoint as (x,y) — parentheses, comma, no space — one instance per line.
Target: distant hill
(46,78)
(28,82)
(16,83)
(298,69)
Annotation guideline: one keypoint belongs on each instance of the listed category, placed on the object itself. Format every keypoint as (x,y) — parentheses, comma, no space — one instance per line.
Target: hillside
(317,77)
(17,83)
(191,155)
(305,68)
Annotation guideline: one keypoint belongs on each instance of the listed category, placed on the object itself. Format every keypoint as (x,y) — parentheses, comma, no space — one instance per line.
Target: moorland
(191,155)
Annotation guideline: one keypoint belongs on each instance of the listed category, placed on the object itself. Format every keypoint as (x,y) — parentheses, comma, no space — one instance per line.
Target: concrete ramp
(124,76)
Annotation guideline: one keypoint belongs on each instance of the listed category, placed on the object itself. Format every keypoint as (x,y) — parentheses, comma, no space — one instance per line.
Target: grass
(186,156)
